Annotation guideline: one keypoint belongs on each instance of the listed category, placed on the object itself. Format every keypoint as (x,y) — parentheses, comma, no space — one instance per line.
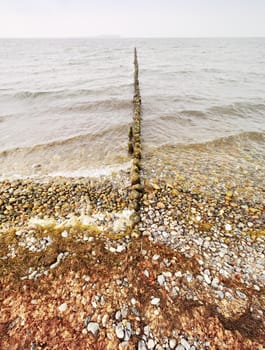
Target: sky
(132,18)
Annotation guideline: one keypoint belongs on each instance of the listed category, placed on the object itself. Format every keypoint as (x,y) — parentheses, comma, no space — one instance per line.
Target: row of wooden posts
(135,149)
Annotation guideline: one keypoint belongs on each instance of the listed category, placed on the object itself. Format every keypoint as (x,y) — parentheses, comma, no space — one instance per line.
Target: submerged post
(136,150)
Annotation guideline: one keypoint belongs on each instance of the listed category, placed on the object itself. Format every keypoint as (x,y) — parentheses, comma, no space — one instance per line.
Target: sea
(66,104)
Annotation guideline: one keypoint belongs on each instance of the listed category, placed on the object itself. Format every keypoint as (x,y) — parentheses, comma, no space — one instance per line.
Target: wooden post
(136,149)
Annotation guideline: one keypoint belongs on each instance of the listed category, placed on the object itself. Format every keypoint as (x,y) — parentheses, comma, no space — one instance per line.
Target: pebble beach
(73,277)
(160,247)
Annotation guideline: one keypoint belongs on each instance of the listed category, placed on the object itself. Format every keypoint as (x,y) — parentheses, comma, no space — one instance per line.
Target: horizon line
(133,37)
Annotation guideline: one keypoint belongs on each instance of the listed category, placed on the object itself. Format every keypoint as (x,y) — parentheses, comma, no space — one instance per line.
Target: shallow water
(66,104)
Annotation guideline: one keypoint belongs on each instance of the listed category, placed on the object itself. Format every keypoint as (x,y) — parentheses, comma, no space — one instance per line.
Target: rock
(240,294)
(155,257)
(147,330)
(120,248)
(172,343)
(161,279)
(141,345)
(180,347)
(155,301)
(189,277)
(160,205)
(62,307)
(119,330)
(207,278)
(118,315)
(146,273)
(104,320)
(138,188)
(64,234)
(228,227)
(178,274)
(215,282)
(135,195)
(220,294)
(151,344)
(184,343)
(93,328)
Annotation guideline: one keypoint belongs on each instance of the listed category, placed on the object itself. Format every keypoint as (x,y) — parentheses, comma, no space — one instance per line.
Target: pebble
(146,273)
(62,307)
(156,257)
(147,330)
(185,343)
(151,344)
(155,301)
(93,328)
(207,279)
(220,294)
(119,330)
(172,343)
(118,315)
(215,282)
(180,347)
(161,279)
(64,234)
(240,294)
(141,345)
(228,227)
(120,248)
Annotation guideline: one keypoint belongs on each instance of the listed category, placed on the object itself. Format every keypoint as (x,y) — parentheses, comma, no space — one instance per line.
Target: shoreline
(195,279)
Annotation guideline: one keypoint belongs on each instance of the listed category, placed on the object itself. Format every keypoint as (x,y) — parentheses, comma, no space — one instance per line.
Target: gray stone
(119,330)
(215,282)
(180,347)
(127,334)
(241,295)
(156,257)
(147,330)
(185,343)
(220,294)
(161,279)
(207,278)
(93,328)
(151,344)
(141,345)
(62,307)
(172,343)
(155,301)
(118,315)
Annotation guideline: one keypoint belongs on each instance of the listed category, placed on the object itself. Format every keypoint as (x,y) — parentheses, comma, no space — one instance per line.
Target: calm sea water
(66,104)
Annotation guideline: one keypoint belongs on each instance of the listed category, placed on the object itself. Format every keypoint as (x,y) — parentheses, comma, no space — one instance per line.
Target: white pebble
(228,227)
(155,301)
(64,234)
(62,307)
(93,328)
(185,344)
(161,279)
(151,344)
(156,257)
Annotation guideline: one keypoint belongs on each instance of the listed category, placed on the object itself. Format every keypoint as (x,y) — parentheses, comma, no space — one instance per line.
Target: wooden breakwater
(135,149)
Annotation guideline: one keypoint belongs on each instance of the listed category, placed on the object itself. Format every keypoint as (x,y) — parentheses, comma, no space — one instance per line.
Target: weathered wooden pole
(136,150)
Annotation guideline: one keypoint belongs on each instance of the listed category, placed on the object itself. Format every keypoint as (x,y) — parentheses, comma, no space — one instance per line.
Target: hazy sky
(156,18)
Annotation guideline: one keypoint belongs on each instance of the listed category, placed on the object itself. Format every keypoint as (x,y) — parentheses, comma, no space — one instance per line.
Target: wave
(193,113)
(80,154)
(106,105)
(242,139)
(238,108)
(65,93)
(83,139)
